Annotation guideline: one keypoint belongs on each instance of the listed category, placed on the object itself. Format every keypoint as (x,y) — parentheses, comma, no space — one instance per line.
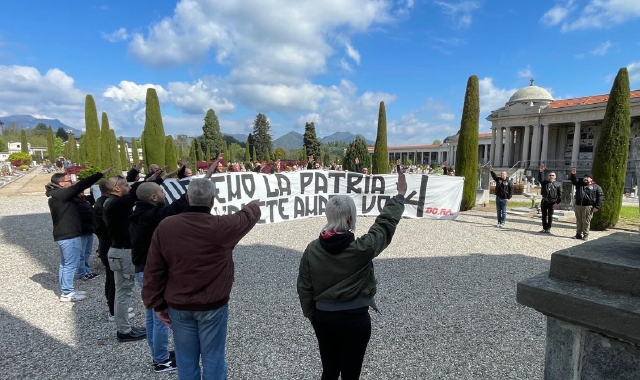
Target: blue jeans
(157,332)
(501,208)
(199,334)
(70,250)
(83,261)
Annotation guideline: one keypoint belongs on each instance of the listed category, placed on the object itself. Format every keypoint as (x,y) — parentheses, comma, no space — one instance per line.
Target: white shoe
(72,297)
(112,318)
(80,292)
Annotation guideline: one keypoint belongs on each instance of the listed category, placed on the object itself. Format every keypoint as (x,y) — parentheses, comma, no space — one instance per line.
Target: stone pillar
(508,142)
(590,297)
(440,157)
(492,157)
(525,147)
(535,148)
(575,150)
(545,143)
(497,159)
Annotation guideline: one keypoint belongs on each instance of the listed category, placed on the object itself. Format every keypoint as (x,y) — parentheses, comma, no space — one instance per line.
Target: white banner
(304,194)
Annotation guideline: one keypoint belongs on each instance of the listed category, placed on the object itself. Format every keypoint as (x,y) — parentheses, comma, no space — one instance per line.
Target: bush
(23,167)
(88,172)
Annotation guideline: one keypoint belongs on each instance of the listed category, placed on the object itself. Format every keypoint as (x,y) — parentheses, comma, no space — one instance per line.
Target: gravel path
(446,294)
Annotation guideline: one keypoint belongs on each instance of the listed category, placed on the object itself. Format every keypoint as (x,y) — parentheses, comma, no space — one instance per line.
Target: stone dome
(531,93)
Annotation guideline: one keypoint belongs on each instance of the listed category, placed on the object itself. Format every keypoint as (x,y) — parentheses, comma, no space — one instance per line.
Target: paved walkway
(26,184)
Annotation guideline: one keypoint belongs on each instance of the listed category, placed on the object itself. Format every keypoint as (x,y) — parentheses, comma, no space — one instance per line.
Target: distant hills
(291,140)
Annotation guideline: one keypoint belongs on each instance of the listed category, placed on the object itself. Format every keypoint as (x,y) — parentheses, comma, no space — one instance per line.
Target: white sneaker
(112,318)
(72,297)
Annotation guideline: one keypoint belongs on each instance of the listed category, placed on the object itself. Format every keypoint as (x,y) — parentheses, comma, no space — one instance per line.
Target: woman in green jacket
(336,282)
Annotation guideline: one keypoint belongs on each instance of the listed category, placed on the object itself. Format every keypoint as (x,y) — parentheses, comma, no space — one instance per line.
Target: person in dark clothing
(336,283)
(85,212)
(147,214)
(117,209)
(551,191)
(104,243)
(588,199)
(68,227)
(504,192)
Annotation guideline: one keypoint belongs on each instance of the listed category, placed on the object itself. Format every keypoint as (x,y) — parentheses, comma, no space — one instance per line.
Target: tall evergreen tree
(73,150)
(310,140)
(144,151)
(82,152)
(254,155)
(134,151)
(212,137)
(193,156)
(380,159)
(105,143)
(171,158)
(62,134)
(247,152)
(467,153)
(201,156)
(154,138)
(114,155)
(24,144)
(612,151)
(261,137)
(207,154)
(124,155)
(51,145)
(357,149)
(92,135)
(267,156)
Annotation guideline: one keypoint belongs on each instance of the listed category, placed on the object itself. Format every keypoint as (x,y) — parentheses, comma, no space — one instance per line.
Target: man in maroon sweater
(188,278)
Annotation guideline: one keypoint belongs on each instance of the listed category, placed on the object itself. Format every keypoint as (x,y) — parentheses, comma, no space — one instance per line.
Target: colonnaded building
(533,128)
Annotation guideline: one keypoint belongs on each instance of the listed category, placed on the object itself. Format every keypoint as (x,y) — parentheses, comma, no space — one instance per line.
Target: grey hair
(338,210)
(201,191)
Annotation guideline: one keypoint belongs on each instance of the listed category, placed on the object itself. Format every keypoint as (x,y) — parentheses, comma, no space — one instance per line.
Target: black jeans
(343,337)
(109,286)
(547,214)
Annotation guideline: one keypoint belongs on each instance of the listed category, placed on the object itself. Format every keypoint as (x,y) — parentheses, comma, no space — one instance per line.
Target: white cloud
(601,14)
(353,53)
(602,49)
(131,95)
(634,72)
(557,14)
(446,116)
(525,73)
(460,11)
(198,97)
(492,97)
(116,36)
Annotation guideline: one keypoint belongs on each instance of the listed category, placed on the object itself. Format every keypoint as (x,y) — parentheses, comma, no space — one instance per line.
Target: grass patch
(630,214)
(513,204)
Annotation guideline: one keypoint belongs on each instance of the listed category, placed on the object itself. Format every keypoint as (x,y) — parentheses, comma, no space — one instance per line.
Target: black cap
(588,175)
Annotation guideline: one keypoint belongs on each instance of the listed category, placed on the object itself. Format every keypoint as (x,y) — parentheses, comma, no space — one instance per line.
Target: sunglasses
(117,181)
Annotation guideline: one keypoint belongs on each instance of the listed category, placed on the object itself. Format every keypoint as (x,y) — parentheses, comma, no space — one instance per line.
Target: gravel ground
(446,293)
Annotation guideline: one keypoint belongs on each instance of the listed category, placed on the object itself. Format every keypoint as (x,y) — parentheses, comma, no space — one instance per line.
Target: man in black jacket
(551,192)
(588,199)
(147,213)
(67,227)
(503,191)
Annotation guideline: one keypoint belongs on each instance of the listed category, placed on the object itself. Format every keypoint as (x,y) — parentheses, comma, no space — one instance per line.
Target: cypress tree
(467,154)
(171,158)
(261,137)
(612,151)
(82,152)
(105,143)
(380,159)
(310,140)
(199,151)
(193,157)
(207,155)
(247,154)
(134,151)
(114,155)
(357,149)
(24,144)
(92,135)
(211,136)
(154,138)
(267,156)
(254,155)
(51,145)
(144,151)
(73,150)
(124,155)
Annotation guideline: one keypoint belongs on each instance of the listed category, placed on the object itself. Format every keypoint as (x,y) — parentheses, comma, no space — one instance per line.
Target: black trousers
(547,214)
(109,286)
(343,337)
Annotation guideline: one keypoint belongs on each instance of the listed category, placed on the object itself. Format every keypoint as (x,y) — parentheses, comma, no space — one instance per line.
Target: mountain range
(291,140)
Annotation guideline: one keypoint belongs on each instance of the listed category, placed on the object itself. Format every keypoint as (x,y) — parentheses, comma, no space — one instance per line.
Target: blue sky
(330,61)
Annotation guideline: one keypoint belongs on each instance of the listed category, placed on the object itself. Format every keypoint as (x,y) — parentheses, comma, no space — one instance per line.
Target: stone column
(525,147)
(508,142)
(545,143)
(535,148)
(440,157)
(492,157)
(575,150)
(497,159)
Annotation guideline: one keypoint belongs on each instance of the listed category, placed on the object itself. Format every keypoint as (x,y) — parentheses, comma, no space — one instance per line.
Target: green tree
(124,155)
(267,156)
(171,158)
(193,156)
(612,151)
(3,145)
(19,158)
(114,155)
(380,159)
(105,135)
(62,134)
(82,152)
(211,137)
(72,150)
(280,153)
(225,151)
(235,152)
(24,144)
(144,151)
(436,142)
(357,149)
(40,129)
(310,140)
(254,155)
(92,136)
(247,153)
(134,151)
(154,138)
(262,139)
(200,152)
(467,153)
(207,154)
(51,145)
